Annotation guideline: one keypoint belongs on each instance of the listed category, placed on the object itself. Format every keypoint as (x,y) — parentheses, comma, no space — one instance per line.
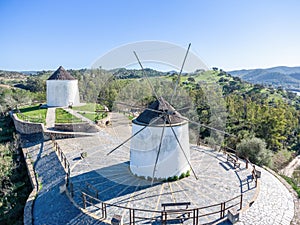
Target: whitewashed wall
(144,148)
(62,92)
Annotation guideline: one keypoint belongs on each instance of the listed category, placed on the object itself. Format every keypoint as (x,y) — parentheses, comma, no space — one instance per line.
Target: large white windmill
(159,144)
(165,126)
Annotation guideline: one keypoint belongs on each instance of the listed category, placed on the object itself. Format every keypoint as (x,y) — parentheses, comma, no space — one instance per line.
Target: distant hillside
(123,73)
(287,77)
(11,75)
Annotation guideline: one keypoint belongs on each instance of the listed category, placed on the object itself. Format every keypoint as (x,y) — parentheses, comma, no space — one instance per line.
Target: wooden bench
(174,211)
(186,204)
(233,160)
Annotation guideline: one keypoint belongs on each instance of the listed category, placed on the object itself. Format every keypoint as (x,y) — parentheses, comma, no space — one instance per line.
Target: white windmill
(159,145)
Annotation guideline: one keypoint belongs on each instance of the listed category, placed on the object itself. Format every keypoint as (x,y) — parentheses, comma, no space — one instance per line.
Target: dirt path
(289,169)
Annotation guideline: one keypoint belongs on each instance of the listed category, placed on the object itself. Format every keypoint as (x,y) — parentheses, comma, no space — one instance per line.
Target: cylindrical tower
(165,126)
(62,89)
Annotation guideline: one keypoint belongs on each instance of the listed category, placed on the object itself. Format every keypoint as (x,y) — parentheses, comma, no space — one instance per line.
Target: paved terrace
(217,182)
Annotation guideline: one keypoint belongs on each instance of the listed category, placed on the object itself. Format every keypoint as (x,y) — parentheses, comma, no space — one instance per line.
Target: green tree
(255,150)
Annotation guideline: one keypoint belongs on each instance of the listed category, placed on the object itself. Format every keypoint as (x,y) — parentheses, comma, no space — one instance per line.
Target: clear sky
(229,34)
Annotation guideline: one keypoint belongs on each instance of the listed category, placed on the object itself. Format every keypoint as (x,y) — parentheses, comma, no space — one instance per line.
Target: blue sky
(228,34)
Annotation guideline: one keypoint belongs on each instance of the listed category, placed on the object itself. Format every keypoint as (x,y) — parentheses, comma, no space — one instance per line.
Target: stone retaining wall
(24,127)
(105,121)
(76,127)
(28,209)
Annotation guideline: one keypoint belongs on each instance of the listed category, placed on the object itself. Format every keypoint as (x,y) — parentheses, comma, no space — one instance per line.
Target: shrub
(293,183)
(188,173)
(255,150)
(281,159)
(182,176)
(169,179)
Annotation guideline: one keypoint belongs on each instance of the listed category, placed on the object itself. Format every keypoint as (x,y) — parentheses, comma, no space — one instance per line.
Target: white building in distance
(144,146)
(62,89)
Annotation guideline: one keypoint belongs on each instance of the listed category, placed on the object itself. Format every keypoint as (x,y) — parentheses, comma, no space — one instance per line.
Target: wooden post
(65,161)
(241,202)
(131,216)
(103,208)
(61,155)
(222,212)
(84,200)
(71,189)
(195,216)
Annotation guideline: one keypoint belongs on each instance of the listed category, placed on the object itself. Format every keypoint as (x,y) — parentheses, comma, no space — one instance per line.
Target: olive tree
(255,150)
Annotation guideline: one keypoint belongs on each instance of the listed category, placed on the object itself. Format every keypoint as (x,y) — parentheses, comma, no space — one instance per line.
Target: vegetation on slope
(282,76)
(15,184)
(266,114)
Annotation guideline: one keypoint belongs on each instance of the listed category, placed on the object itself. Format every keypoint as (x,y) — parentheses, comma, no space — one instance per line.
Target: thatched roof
(61,74)
(152,113)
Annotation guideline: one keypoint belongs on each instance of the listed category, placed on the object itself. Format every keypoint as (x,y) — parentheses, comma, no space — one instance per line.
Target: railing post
(131,216)
(68,169)
(222,212)
(84,200)
(163,217)
(133,212)
(65,162)
(71,189)
(195,216)
(103,210)
(241,202)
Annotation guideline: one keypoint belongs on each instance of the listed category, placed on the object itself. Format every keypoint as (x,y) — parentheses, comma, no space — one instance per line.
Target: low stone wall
(105,121)
(63,135)
(24,127)
(76,127)
(28,209)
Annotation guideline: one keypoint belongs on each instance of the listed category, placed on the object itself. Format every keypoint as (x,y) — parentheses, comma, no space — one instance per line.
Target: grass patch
(131,117)
(293,184)
(89,107)
(62,116)
(93,116)
(32,114)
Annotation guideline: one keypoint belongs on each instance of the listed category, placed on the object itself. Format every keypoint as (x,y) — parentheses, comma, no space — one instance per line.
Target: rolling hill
(287,77)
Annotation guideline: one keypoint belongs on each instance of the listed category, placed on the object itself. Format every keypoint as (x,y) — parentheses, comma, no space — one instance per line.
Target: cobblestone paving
(111,176)
(274,204)
(50,118)
(52,207)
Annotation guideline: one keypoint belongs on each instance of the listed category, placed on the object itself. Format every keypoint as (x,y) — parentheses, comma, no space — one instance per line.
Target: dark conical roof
(61,74)
(157,109)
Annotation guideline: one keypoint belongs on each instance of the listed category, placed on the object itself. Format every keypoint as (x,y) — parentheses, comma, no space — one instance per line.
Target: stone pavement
(218,181)
(50,118)
(274,204)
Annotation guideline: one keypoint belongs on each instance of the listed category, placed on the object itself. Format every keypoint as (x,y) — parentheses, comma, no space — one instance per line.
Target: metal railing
(64,162)
(135,213)
(163,215)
